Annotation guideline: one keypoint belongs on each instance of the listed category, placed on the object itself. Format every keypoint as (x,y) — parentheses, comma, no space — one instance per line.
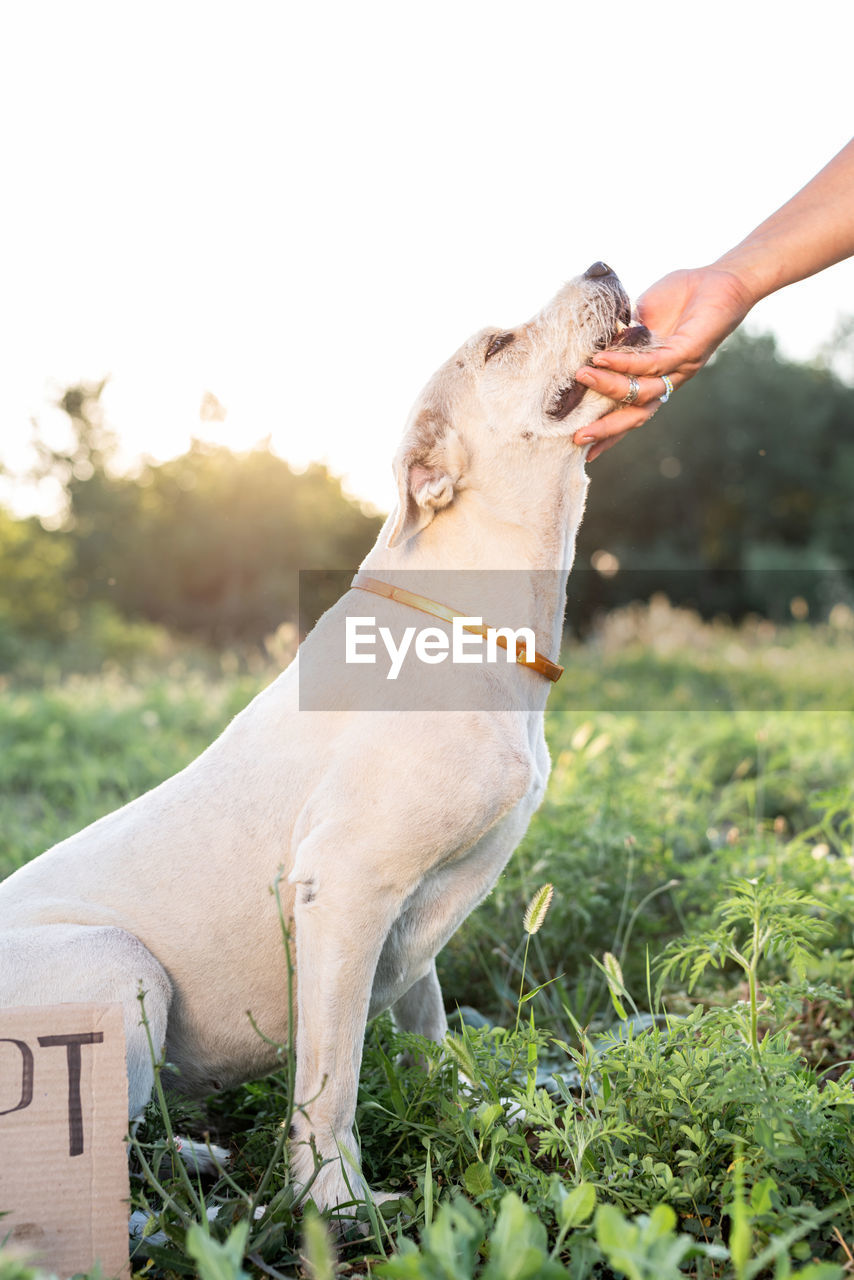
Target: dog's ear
(429,469)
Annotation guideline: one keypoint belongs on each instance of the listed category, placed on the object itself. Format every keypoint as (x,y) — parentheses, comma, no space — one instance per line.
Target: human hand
(690,313)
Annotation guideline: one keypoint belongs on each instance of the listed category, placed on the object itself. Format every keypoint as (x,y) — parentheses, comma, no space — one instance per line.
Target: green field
(716,1137)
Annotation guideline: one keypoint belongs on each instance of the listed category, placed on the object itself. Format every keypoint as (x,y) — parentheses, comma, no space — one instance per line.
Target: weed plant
(677,1030)
(701,1141)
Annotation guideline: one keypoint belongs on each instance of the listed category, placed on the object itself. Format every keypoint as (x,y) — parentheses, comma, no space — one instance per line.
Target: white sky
(304,208)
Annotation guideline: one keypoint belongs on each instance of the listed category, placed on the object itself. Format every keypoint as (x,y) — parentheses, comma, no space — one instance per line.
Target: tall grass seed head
(537,908)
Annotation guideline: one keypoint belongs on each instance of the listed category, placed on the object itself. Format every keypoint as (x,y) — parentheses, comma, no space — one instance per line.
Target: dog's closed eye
(500,340)
(568,398)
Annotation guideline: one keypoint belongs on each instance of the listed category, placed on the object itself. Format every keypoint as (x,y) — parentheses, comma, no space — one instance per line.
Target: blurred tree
(745,480)
(837,353)
(34,598)
(101,506)
(222,536)
(209,543)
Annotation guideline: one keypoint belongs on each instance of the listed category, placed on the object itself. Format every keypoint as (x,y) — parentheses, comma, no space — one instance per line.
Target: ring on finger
(633,391)
(668,388)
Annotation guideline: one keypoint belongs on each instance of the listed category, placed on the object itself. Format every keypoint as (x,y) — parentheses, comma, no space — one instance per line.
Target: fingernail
(583,439)
(585,375)
(601,362)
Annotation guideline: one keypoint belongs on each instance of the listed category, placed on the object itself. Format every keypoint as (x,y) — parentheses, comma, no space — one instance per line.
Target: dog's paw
(329,1188)
(514,1112)
(201,1157)
(383,1198)
(142,1232)
(141,1228)
(409,1061)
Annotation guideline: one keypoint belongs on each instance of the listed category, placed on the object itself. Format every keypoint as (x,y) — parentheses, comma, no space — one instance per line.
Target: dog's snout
(598,269)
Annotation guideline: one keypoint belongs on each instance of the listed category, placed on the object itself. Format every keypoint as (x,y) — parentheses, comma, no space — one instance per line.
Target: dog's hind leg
(79,964)
(421,1009)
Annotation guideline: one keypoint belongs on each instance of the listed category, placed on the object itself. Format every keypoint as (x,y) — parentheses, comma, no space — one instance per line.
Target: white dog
(391,824)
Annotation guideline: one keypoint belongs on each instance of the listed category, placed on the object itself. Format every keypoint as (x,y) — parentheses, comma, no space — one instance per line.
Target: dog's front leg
(341,923)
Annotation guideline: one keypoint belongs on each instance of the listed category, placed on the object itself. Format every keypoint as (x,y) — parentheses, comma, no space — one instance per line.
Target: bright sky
(304,208)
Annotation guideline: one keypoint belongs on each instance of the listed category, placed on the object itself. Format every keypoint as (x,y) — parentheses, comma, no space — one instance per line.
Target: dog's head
(508,385)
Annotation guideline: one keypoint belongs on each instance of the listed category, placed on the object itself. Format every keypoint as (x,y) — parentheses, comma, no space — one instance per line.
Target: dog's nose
(598,269)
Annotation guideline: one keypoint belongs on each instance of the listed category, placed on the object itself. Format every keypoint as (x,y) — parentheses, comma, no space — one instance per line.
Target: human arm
(691,312)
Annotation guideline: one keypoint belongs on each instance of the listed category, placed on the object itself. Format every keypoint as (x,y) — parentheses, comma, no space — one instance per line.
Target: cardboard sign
(63,1121)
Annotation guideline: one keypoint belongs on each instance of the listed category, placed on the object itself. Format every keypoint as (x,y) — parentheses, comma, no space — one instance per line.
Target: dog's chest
(447,894)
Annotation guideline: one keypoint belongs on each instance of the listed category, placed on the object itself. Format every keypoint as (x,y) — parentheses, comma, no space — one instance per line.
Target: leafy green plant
(759,921)
(461,1243)
(218,1260)
(669,1107)
(453,1244)
(13,1268)
(649,1247)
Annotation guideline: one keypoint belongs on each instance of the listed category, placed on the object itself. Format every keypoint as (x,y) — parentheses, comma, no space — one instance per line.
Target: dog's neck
(504,557)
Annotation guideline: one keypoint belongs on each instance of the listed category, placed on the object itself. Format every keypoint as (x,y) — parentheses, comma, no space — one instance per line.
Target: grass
(699,833)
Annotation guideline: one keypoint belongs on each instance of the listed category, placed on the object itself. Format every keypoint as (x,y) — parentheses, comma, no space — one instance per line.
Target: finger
(652,363)
(616,386)
(616,423)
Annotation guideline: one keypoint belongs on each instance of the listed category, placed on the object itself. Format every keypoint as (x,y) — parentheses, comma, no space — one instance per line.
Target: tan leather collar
(539,663)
